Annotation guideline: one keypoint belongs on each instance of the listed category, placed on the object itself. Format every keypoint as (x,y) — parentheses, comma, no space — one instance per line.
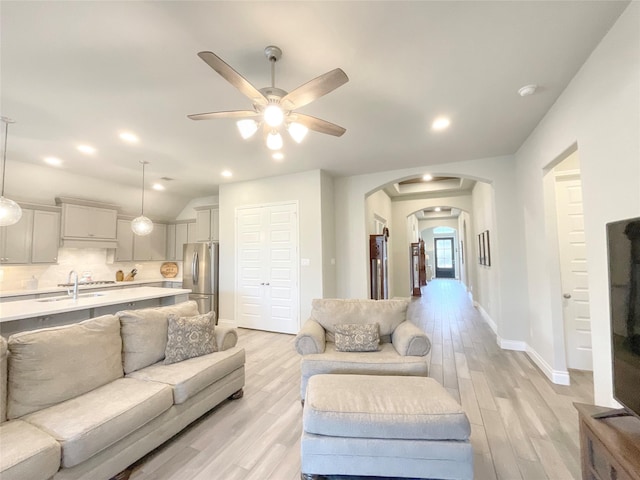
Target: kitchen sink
(67,297)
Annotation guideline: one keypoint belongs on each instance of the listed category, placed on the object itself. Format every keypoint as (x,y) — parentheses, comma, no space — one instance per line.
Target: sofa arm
(409,339)
(310,338)
(226,337)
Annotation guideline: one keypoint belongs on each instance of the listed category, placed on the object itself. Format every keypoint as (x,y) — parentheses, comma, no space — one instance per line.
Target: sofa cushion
(89,423)
(27,452)
(144,333)
(354,337)
(189,337)
(386,361)
(52,365)
(189,377)
(363,406)
(388,314)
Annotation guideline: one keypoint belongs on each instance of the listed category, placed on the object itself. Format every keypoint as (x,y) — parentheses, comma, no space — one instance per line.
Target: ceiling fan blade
(233,77)
(229,114)
(313,89)
(318,125)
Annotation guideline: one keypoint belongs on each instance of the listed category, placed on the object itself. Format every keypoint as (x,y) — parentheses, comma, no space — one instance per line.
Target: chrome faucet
(75,284)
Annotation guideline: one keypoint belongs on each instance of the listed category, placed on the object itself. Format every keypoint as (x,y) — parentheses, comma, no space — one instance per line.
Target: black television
(623,242)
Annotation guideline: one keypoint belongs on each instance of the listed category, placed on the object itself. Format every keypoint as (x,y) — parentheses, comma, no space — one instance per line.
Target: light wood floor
(523,426)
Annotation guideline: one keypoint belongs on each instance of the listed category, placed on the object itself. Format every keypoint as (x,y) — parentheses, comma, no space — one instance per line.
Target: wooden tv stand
(609,447)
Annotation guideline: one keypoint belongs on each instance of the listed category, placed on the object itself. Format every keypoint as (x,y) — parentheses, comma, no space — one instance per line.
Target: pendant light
(142,225)
(10,211)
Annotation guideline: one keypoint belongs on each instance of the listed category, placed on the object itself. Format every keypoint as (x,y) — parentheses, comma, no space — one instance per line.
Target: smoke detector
(527,90)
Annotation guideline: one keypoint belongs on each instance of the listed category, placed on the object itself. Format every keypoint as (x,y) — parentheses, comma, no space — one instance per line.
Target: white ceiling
(81,71)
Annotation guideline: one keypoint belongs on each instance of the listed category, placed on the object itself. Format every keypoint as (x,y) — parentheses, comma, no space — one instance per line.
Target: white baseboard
(559,377)
(517,345)
(487,318)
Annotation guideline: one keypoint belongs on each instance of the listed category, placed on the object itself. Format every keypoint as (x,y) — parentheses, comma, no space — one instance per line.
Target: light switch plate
(305,262)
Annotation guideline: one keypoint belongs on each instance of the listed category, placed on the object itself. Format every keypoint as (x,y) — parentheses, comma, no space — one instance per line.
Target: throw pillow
(190,337)
(354,337)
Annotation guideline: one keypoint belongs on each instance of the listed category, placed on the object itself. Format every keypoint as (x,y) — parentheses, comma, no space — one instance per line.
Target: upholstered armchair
(401,350)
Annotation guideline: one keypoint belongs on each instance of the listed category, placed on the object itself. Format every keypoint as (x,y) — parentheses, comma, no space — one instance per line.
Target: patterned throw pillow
(354,337)
(190,337)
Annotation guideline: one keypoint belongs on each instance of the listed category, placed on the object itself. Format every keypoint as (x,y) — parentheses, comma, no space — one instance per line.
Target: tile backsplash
(91,261)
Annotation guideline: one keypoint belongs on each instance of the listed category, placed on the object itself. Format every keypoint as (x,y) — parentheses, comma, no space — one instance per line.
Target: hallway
(523,426)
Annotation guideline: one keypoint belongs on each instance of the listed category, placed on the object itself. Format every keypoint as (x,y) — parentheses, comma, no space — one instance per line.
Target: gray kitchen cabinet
(152,246)
(177,235)
(46,236)
(9,328)
(171,241)
(207,224)
(88,222)
(124,247)
(15,240)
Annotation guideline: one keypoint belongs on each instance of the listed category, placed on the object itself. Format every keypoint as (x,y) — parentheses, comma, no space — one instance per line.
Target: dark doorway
(445,267)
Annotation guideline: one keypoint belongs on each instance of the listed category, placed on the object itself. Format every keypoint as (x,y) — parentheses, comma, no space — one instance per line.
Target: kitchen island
(60,310)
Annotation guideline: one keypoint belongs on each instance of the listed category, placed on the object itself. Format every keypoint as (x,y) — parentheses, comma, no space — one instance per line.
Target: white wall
(487,292)
(600,111)
(305,188)
(189,212)
(328,237)
(378,204)
(500,172)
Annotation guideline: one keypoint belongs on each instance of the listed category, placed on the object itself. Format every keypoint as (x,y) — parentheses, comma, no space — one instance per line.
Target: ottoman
(393,426)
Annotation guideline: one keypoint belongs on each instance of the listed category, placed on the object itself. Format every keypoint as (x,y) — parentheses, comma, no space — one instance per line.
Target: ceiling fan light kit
(273,107)
(10,211)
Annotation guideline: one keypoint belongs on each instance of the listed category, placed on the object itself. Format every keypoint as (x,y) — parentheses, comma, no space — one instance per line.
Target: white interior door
(573,265)
(267,290)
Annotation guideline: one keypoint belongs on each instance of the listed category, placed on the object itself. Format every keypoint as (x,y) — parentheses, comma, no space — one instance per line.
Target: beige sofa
(85,401)
(402,350)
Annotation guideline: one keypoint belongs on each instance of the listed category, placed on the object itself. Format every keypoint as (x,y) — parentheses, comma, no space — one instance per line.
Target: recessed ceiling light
(427,177)
(88,149)
(440,123)
(53,161)
(158,186)
(437,209)
(129,137)
(226,173)
(278,156)
(527,90)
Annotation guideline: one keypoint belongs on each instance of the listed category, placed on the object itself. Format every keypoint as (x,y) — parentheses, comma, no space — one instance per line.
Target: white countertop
(55,289)
(21,309)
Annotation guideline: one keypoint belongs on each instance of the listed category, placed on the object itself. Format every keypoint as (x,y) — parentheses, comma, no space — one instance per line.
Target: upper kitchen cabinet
(124,248)
(207,224)
(152,246)
(15,240)
(46,236)
(34,239)
(88,224)
(177,235)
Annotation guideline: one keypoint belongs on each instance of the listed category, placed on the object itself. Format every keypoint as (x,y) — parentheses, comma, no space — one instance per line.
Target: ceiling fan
(274,107)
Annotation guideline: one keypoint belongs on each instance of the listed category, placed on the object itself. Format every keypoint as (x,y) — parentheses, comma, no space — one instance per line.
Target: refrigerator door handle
(195,267)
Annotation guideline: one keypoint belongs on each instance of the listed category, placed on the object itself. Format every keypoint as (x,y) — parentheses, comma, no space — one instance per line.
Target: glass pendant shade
(142,226)
(247,128)
(10,212)
(297,131)
(273,115)
(274,141)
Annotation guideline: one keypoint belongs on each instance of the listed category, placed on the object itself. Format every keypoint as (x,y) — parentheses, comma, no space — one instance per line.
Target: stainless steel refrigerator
(200,274)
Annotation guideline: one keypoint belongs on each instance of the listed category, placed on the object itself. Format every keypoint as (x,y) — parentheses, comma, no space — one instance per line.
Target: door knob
(567,295)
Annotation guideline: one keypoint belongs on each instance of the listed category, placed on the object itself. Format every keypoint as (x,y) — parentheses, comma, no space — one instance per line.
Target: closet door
(267,268)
